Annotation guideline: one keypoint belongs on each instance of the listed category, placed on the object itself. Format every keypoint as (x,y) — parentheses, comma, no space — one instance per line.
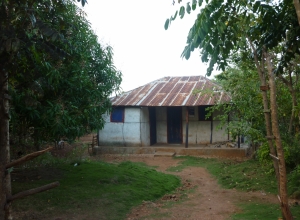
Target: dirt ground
(205,199)
(200,197)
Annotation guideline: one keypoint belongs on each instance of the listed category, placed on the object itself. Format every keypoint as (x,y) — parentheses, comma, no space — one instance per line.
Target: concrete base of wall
(179,151)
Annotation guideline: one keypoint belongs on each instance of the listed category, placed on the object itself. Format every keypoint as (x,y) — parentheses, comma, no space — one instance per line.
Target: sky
(143,50)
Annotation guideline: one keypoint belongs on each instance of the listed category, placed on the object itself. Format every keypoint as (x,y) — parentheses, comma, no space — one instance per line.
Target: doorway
(152,121)
(174,123)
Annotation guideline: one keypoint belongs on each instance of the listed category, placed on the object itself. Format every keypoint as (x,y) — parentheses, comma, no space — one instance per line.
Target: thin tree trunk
(297,8)
(285,209)
(294,99)
(289,84)
(5,183)
(262,77)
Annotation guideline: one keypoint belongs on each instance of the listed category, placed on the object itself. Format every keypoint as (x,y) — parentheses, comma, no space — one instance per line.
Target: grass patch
(243,175)
(257,211)
(97,188)
(247,175)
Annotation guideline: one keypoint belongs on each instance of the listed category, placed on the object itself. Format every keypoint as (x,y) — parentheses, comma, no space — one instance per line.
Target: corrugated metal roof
(174,91)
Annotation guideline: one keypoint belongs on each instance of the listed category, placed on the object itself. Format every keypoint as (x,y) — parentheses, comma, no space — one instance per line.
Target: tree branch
(26,158)
(32,191)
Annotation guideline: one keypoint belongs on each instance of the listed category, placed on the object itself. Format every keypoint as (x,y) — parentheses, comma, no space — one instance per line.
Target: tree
(68,101)
(47,47)
(224,27)
(242,83)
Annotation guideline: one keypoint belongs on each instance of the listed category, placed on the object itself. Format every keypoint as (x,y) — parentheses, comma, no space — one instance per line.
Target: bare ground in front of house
(200,197)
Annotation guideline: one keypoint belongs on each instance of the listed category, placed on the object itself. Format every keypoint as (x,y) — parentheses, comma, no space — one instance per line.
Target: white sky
(143,50)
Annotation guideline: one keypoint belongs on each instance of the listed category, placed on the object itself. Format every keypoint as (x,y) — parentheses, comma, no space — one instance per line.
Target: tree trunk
(285,209)
(297,8)
(5,183)
(289,84)
(264,90)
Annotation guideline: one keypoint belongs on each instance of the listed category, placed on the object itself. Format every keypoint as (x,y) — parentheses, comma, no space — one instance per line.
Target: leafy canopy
(224,27)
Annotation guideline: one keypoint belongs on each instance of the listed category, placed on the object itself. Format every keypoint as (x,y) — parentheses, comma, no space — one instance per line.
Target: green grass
(259,211)
(247,175)
(97,188)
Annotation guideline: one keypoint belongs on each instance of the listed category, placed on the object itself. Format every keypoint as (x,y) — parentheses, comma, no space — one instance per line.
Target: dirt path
(206,199)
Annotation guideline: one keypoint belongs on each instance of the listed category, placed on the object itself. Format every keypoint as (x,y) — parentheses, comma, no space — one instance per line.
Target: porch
(213,150)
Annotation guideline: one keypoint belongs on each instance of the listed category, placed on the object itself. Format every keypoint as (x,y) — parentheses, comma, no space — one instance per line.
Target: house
(165,111)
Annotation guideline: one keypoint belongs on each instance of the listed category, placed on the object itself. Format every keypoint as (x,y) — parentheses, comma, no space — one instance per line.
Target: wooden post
(228,129)
(187,128)
(211,128)
(32,191)
(26,158)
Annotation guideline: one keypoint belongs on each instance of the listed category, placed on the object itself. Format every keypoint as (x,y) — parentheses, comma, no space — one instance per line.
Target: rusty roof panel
(199,85)
(179,99)
(192,99)
(174,91)
(119,99)
(157,100)
(203,100)
(143,92)
(168,87)
(177,87)
(187,88)
(169,99)
(130,96)
(185,78)
(174,79)
(194,78)
(147,100)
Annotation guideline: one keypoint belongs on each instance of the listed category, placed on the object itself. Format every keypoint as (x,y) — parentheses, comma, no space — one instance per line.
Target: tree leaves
(181,12)
(188,8)
(54,95)
(194,4)
(224,25)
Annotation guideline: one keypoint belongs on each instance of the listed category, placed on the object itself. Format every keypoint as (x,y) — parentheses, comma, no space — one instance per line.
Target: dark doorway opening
(174,122)
(152,120)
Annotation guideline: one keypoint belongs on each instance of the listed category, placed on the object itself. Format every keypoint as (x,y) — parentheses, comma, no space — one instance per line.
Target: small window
(203,111)
(117,114)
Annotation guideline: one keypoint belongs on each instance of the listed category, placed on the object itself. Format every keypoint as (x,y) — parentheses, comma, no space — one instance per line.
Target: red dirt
(207,200)
(200,197)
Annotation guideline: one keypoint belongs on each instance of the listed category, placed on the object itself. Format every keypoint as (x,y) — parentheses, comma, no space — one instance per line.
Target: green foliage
(257,210)
(222,27)
(61,78)
(250,175)
(263,154)
(245,110)
(243,175)
(290,155)
(44,160)
(95,189)
(77,154)
(294,181)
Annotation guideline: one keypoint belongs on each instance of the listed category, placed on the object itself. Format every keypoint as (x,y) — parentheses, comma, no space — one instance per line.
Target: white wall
(129,133)
(145,127)
(161,125)
(199,132)
(135,131)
